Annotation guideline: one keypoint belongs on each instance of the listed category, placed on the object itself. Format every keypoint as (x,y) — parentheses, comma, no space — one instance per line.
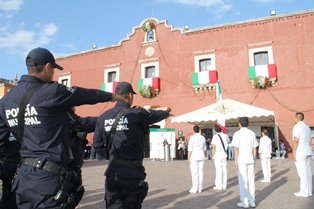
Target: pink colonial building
(266,62)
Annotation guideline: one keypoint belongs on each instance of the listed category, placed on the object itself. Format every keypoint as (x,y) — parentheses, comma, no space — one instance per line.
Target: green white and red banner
(204,77)
(154,82)
(268,71)
(109,87)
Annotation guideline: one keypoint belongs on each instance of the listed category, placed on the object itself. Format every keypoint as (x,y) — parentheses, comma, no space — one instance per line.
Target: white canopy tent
(208,115)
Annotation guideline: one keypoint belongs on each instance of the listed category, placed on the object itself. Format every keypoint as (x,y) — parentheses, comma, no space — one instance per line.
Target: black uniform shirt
(87,125)
(46,130)
(128,141)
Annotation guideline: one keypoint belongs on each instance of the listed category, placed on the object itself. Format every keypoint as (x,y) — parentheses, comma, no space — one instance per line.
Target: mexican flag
(268,71)
(218,92)
(221,119)
(109,87)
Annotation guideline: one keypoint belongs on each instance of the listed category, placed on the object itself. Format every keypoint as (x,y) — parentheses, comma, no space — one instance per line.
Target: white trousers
(221,173)
(265,162)
(197,172)
(304,168)
(246,178)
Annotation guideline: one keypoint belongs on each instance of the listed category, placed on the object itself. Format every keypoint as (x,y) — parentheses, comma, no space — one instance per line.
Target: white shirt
(219,152)
(197,145)
(181,144)
(265,146)
(245,141)
(303,133)
(230,144)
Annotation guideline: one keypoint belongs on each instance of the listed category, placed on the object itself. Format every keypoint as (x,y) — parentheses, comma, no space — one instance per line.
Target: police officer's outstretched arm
(99,140)
(117,98)
(148,117)
(89,124)
(76,96)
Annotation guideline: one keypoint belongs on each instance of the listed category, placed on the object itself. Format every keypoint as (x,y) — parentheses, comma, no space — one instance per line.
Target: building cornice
(195,31)
(260,43)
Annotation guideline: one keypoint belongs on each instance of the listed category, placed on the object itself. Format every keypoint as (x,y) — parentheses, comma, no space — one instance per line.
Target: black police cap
(124,88)
(41,56)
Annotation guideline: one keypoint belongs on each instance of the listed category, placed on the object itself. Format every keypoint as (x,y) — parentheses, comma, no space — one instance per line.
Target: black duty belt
(136,164)
(43,164)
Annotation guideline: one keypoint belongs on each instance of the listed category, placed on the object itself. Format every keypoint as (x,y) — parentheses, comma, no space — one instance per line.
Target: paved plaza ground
(170,182)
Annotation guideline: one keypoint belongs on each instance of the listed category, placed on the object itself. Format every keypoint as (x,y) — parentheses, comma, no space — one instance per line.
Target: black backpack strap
(24,101)
(223,145)
(114,127)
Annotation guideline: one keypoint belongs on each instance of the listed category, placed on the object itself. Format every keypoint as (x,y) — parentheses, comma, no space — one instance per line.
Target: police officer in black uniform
(40,178)
(125,186)
(9,159)
(79,128)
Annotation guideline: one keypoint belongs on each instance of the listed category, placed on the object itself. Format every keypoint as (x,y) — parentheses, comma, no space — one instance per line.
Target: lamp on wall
(186,27)
(272,12)
(94,46)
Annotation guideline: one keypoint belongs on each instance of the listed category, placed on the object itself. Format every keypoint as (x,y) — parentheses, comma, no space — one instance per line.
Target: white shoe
(252,204)
(216,188)
(277,158)
(282,158)
(192,192)
(242,205)
(199,191)
(301,195)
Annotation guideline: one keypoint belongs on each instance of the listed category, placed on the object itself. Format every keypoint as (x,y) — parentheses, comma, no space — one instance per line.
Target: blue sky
(66,27)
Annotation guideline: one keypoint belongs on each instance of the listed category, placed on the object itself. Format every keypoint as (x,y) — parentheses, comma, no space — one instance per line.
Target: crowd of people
(246,147)
(41,157)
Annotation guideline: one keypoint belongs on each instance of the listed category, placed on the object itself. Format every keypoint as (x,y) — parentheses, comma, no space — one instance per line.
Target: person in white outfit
(245,143)
(302,154)
(196,158)
(230,149)
(282,150)
(312,145)
(220,145)
(265,147)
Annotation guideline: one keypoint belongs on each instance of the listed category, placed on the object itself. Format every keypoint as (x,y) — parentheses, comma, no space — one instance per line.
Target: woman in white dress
(264,151)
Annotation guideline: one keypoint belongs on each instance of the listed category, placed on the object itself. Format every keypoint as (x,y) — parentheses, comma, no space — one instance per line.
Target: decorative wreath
(148,26)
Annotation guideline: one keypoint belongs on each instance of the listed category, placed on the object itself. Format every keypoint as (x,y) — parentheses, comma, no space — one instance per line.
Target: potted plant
(261,82)
(148,91)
